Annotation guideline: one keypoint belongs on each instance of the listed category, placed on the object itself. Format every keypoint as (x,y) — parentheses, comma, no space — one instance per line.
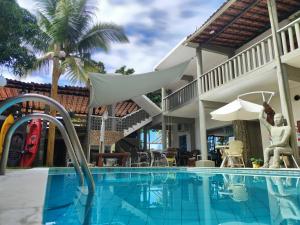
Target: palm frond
(47,7)
(38,65)
(91,66)
(101,35)
(86,12)
(44,21)
(74,71)
(64,22)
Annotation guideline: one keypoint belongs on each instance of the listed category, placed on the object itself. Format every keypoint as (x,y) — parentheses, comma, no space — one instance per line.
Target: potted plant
(256,162)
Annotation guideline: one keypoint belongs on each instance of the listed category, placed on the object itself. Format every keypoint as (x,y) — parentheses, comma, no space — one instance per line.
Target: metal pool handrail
(58,124)
(68,124)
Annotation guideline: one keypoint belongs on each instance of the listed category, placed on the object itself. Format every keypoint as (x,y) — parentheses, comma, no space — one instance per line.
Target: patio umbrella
(237,110)
(240,109)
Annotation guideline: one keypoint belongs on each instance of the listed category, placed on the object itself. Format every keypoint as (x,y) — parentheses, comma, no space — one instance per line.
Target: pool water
(174,196)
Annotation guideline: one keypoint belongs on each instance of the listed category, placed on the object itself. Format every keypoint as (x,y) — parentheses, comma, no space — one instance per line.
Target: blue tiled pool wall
(168,196)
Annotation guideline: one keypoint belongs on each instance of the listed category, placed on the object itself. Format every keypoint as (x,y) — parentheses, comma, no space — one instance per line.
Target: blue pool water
(174,196)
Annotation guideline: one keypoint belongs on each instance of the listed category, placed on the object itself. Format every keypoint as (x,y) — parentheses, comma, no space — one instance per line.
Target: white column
(202,122)
(163,123)
(282,76)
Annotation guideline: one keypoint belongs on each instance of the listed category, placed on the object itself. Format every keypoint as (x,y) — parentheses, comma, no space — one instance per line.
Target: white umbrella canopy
(237,110)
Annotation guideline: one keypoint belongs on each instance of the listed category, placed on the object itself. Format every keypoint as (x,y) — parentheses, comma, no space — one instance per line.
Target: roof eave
(212,19)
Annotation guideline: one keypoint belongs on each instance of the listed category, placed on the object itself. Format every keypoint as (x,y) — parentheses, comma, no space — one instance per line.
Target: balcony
(181,96)
(251,60)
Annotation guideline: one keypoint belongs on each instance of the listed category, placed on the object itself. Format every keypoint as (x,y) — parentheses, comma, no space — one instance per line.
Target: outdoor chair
(289,159)
(158,159)
(234,155)
(142,159)
(171,154)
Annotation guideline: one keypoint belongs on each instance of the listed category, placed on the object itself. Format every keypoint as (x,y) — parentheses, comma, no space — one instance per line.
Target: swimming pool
(175,196)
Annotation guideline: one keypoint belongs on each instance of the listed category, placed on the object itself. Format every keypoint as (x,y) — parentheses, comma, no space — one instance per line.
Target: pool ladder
(68,133)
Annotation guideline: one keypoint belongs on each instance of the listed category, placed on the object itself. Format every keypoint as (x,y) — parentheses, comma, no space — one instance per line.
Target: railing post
(248,61)
(235,67)
(258,54)
(263,49)
(239,65)
(284,44)
(291,39)
(253,58)
(270,48)
(223,73)
(244,63)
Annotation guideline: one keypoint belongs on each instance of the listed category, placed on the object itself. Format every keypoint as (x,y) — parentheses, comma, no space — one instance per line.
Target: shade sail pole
(89,125)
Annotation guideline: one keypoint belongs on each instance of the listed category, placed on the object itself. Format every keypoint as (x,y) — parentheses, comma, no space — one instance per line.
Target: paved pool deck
(22,194)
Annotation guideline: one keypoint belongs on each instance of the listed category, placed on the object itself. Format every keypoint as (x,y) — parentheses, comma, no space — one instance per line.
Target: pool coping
(199,170)
(22,201)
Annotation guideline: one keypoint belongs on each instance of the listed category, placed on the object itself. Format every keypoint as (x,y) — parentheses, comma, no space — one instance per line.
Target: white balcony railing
(247,61)
(181,96)
(290,37)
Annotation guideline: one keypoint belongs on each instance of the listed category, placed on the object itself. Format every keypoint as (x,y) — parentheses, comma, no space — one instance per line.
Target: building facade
(244,46)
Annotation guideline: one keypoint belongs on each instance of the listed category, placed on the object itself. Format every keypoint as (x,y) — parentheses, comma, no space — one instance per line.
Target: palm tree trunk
(54,94)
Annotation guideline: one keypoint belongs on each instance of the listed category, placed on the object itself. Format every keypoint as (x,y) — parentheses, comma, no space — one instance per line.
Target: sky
(154,27)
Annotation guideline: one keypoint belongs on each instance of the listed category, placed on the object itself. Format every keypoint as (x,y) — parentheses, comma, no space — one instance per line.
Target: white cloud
(154,27)
(168,29)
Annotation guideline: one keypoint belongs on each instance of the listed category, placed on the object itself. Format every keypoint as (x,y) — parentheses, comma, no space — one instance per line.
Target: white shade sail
(108,89)
(237,110)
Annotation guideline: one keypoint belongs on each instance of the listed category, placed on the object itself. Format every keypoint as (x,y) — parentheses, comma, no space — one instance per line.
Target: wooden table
(121,157)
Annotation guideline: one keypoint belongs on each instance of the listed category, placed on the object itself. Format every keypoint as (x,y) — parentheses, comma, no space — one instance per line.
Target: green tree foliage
(20,37)
(155,97)
(123,70)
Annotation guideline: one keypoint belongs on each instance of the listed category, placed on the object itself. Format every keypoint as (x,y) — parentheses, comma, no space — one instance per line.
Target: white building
(244,46)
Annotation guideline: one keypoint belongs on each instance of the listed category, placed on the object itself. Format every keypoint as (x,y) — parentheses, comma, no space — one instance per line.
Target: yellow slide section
(6,125)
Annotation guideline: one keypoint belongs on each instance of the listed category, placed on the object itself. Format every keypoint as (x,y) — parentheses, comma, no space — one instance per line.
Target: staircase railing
(181,96)
(119,123)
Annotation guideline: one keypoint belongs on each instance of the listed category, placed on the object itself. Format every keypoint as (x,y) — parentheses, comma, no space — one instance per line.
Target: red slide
(32,143)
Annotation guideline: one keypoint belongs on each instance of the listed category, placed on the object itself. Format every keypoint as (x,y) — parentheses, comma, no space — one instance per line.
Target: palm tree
(123,70)
(71,36)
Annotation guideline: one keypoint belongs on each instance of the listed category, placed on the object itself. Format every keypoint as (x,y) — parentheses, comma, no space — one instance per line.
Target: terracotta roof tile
(74,99)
